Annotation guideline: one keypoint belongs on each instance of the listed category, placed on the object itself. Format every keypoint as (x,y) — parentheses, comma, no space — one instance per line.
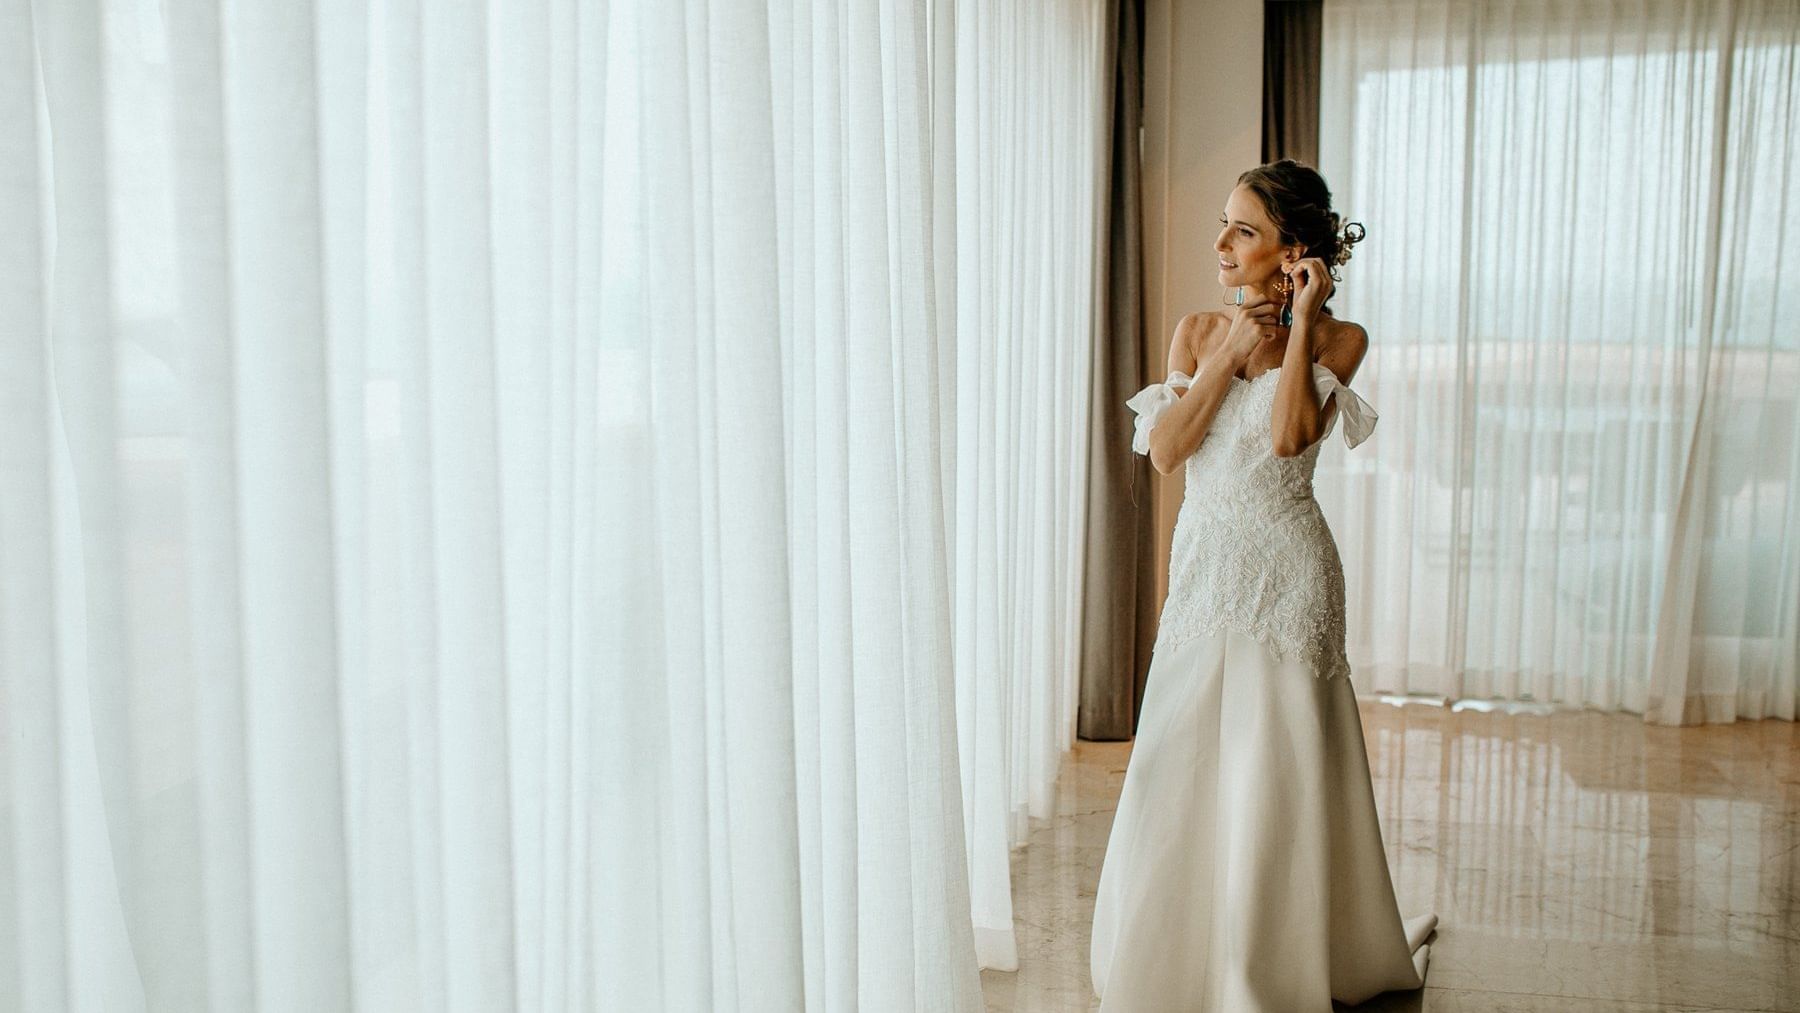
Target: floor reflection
(1577,861)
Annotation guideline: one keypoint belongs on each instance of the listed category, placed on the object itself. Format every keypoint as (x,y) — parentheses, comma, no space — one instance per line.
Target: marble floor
(1577,861)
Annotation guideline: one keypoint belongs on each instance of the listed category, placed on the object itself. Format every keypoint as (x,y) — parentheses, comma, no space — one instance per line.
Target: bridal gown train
(1245,872)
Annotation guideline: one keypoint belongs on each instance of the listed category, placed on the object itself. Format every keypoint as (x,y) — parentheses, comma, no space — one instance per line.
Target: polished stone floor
(1577,861)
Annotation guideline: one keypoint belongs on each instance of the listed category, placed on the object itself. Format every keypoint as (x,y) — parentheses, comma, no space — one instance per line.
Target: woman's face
(1250,250)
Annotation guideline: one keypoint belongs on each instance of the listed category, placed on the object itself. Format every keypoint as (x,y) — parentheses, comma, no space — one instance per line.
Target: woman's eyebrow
(1234,221)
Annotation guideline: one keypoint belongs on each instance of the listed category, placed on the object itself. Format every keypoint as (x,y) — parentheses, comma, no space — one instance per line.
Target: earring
(1286,287)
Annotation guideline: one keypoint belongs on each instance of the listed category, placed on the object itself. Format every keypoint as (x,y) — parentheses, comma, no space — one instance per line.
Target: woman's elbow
(1162,460)
(1293,444)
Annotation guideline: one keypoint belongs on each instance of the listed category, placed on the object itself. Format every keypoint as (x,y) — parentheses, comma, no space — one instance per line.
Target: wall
(1202,127)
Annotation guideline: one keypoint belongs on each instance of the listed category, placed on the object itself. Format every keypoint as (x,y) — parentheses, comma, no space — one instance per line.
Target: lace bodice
(1252,552)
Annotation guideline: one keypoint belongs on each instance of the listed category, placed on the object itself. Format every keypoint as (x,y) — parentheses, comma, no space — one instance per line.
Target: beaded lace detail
(1252,552)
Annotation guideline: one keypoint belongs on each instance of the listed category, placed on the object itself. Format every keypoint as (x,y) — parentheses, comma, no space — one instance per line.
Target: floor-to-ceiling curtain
(1118,582)
(1029,155)
(1579,290)
(556,506)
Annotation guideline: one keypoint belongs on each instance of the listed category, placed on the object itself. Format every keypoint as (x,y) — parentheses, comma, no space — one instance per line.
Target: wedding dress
(1245,871)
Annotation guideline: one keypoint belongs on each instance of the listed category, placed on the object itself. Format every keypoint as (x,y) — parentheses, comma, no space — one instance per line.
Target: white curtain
(1032,119)
(543,505)
(1579,284)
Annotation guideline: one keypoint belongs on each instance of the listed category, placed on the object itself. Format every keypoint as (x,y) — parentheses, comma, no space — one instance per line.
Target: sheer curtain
(1584,350)
(1031,135)
(550,506)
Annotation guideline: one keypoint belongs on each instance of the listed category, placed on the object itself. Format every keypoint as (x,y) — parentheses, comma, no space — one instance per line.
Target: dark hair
(1299,203)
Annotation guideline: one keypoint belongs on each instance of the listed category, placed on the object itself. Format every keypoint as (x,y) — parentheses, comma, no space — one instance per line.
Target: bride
(1245,871)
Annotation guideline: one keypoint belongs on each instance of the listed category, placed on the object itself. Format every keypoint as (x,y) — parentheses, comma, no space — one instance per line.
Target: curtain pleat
(34,835)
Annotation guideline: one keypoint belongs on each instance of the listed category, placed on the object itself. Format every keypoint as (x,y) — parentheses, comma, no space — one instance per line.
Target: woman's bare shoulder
(1345,345)
(1198,331)
(1346,334)
(1345,330)
(1205,321)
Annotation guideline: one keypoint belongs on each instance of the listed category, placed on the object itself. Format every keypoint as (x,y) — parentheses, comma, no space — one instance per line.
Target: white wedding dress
(1245,871)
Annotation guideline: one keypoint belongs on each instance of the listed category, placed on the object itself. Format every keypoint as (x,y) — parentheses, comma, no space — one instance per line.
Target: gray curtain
(1119,590)
(1291,79)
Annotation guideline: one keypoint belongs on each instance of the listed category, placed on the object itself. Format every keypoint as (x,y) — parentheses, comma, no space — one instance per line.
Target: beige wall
(1202,126)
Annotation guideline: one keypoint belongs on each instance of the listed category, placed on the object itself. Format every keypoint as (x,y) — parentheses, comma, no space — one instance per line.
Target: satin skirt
(1245,871)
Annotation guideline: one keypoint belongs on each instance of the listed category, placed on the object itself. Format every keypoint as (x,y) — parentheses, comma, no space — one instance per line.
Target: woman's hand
(1256,321)
(1312,286)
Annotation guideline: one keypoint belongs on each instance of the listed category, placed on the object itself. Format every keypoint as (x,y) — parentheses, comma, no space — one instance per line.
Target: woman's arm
(1298,420)
(1213,358)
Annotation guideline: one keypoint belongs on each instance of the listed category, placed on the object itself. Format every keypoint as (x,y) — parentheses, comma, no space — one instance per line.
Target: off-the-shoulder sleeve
(1150,403)
(1359,418)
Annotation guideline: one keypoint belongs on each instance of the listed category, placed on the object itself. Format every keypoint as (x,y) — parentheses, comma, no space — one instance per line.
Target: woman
(1245,871)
